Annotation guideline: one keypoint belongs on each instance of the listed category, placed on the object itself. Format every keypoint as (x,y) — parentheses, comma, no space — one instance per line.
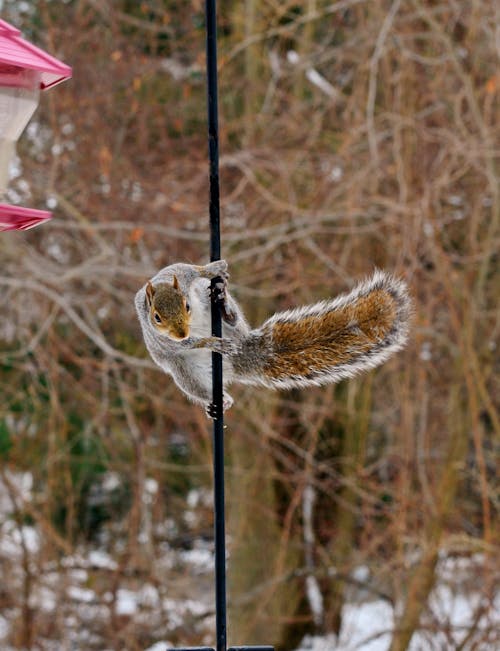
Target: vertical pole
(217,385)
(218,426)
(213,128)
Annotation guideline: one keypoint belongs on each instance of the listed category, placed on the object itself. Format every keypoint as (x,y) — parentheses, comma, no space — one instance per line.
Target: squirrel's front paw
(216,344)
(219,291)
(216,268)
(223,346)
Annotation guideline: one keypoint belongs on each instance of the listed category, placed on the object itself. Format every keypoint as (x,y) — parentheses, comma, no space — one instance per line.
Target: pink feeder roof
(16,51)
(17,218)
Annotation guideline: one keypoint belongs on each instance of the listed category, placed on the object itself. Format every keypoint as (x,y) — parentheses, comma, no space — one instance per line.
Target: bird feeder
(24,70)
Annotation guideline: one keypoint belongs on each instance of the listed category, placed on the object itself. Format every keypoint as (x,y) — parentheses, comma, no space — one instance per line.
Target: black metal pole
(213,127)
(217,382)
(217,398)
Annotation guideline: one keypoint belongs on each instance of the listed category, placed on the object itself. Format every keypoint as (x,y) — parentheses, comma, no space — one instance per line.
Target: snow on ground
(75,591)
(367,626)
(159,646)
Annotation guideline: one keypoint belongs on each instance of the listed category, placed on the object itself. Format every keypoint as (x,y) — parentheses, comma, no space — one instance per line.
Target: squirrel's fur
(311,345)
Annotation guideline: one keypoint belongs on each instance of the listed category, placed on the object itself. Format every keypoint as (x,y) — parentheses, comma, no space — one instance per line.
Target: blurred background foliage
(354,134)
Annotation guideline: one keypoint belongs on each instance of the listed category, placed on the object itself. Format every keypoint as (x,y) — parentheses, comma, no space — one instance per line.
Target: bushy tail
(334,339)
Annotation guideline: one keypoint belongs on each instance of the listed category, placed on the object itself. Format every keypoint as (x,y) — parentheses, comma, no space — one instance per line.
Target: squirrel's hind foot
(213,412)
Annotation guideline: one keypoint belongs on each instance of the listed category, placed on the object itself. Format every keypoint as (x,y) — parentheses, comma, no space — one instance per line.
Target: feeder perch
(24,70)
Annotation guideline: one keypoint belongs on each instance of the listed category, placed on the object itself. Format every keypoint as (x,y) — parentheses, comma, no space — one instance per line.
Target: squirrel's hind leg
(200,392)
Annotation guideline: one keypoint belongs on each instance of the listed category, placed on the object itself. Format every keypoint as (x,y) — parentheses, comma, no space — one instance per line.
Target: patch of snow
(148,596)
(308,499)
(79,575)
(100,559)
(4,627)
(103,313)
(56,251)
(179,609)
(190,518)
(81,594)
(56,149)
(105,188)
(25,7)
(450,567)
(201,559)
(43,599)
(136,194)
(151,486)
(67,128)
(160,646)
(22,482)
(315,599)
(24,187)
(318,643)
(452,608)
(32,129)
(196,607)
(15,167)
(336,173)
(126,602)
(426,352)
(111,481)
(193,498)
(361,573)
(366,626)
(51,202)
(12,538)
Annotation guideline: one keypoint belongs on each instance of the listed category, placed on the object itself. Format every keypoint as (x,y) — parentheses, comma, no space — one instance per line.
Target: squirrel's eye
(188,308)
(157,317)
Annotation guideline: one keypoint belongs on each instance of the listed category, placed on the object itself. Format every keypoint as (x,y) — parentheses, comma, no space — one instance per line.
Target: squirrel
(310,345)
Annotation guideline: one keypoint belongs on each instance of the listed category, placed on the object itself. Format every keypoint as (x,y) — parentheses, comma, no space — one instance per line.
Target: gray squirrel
(310,345)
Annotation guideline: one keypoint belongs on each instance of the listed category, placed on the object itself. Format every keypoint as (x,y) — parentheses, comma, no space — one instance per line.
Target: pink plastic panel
(7,27)
(17,218)
(16,51)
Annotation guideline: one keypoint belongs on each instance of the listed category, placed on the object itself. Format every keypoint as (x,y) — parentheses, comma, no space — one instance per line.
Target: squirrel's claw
(212,411)
(218,290)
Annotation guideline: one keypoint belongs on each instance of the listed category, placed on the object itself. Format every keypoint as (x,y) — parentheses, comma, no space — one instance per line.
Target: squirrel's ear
(150,292)
(176,283)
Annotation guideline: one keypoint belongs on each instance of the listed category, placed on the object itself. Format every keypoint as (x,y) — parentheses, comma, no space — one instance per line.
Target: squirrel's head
(168,309)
